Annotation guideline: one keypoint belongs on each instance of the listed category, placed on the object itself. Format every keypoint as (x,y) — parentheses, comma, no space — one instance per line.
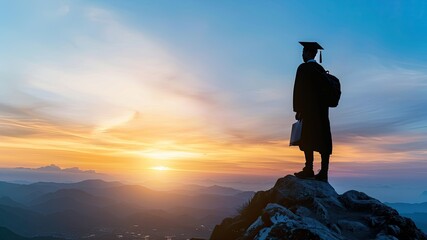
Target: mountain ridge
(111,208)
(7,234)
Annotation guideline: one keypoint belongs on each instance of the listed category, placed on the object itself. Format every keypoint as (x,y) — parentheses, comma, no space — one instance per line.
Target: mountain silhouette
(312,210)
(6,234)
(104,210)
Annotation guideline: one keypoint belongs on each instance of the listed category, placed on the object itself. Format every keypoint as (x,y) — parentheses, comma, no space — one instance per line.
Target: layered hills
(292,209)
(108,210)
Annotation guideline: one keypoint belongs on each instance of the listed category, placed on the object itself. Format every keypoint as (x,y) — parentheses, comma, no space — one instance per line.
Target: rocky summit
(301,209)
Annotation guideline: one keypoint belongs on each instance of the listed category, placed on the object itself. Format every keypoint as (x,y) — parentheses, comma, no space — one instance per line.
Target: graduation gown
(309,100)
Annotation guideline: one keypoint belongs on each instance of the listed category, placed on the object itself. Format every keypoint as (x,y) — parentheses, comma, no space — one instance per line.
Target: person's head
(308,53)
(310,50)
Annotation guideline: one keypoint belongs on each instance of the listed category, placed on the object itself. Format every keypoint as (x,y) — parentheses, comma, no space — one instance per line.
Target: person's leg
(307,171)
(325,162)
(309,158)
(323,174)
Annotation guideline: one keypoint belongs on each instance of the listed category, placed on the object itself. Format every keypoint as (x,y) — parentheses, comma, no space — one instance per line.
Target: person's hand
(298,116)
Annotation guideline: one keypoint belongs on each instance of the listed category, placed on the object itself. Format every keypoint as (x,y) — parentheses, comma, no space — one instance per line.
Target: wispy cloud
(383,99)
(106,95)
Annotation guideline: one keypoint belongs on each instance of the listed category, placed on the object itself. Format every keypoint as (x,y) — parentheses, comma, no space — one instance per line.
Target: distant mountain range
(409,207)
(415,211)
(105,210)
(6,234)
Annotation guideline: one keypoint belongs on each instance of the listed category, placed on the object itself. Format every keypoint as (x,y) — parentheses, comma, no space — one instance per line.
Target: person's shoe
(321,176)
(305,174)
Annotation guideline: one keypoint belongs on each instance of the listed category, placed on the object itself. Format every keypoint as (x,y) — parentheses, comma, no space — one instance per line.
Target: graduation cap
(313,46)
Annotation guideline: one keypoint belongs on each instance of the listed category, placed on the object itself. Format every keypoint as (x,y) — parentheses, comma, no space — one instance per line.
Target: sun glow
(160,168)
(167,155)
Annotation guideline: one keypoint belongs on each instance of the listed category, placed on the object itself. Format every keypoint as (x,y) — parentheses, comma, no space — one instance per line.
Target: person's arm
(298,94)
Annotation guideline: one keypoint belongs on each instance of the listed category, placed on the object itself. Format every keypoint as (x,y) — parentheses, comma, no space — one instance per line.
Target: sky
(201,91)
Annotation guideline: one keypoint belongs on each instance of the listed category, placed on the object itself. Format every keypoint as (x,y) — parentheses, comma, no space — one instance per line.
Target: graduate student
(311,107)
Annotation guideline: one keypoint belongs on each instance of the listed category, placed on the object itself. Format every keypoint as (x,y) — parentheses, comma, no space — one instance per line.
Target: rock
(374,221)
(303,211)
(383,236)
(393,230)
(335,228)
(312,210)
(320,210)
(352,226)
(287,225)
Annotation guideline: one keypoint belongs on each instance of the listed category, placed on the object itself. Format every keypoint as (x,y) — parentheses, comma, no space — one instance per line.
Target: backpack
(333,92)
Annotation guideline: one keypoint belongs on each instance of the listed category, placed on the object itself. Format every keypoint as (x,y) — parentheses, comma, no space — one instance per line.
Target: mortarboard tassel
(320,57)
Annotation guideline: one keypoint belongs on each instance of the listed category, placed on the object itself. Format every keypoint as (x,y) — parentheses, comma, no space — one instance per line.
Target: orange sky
(137,147)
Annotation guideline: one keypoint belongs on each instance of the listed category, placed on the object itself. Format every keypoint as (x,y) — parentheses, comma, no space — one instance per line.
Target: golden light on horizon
(168,155)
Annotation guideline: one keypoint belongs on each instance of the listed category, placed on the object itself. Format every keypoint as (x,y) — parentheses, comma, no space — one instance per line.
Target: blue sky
(224,71)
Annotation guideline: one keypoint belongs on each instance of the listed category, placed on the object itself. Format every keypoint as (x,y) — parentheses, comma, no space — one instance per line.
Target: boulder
(312,210)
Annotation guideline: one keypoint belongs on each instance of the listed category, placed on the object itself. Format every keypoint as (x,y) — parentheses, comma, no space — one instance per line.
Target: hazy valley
(95,209)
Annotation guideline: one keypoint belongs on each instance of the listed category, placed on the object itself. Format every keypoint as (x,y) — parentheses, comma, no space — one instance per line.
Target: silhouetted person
(311,107)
